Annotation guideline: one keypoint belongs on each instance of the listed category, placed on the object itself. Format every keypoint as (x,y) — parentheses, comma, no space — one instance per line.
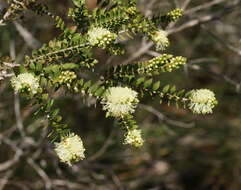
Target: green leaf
(37,112)
(100,91)
(78,3)
(32,66)
(55,112)
(181,93)
(22,69)
(188,93)
(93,88)
(43,81)
(140,80)
(87,85)
(45,96)
(166,88)
(39,67)
(148,83)
(173,89)
(156,85)
(70,66)
(58,118)
(102,3)
(80,82)
(50,103)
(55,69)
(51,68)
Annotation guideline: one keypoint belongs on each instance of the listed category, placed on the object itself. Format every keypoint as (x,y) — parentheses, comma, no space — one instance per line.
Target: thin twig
(41,173)
(203,6)
(103,148)
(165,119)
(29,39)
(223,42)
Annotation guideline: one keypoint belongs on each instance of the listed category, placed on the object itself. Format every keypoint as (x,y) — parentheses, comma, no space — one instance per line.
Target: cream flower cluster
(160,39)
(66,77)
(162,63)
(174,63)
(174,15)
(100,37)
(70,149)
(119,101)
(25,82)
(202,101)
(133,137)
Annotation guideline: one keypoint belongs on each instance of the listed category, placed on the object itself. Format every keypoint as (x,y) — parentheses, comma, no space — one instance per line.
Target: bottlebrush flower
(25,82)
(160,39)
(119,101)
(101,37)
(70,149)
(202,101)
(134,138)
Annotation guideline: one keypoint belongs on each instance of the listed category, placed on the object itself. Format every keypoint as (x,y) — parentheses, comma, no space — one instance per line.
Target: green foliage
(155,66)
(171,16)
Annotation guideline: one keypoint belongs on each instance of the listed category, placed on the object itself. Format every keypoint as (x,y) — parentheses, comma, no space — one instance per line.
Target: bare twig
(185,4)
(17,111)
(5,179)
(68,184)
(103,148)
(18,153)
(223,42)
(165,119)
(226,78)
(140,52)
(41,173)
(204,19)
(29,39)
(203,6)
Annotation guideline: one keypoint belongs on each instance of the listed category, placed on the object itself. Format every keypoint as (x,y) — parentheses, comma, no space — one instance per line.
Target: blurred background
(182,151)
